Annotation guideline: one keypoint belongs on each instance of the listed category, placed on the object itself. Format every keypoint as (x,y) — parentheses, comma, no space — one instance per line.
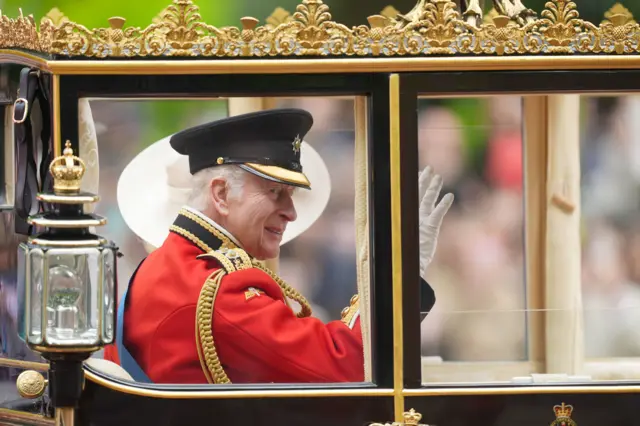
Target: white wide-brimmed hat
(156,184)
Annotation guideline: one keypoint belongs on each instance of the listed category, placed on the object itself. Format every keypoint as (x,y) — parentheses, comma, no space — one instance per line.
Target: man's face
(259,216)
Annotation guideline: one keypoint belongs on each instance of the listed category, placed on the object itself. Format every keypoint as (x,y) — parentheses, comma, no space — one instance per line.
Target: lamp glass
(72,297)
(36,284)
(109,295)
(22,276)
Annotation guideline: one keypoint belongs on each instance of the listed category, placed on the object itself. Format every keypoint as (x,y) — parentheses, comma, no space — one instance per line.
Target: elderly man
(202,308)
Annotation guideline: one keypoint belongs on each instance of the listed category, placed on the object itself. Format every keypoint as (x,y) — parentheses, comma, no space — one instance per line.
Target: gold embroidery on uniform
(350,311)
(226,242)
(209,361)
(288,291)
(232,260)
(252,292)
(188,235)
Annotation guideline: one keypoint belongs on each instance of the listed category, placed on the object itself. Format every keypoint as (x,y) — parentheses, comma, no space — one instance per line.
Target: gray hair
(200,197)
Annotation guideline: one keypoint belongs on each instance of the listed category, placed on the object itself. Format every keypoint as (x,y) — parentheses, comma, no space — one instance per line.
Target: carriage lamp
(67,281)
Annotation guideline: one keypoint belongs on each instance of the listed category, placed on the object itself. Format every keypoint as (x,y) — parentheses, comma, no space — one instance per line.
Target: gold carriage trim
(432,27)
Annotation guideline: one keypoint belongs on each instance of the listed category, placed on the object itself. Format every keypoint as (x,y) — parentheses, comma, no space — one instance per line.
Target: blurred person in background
(479,268)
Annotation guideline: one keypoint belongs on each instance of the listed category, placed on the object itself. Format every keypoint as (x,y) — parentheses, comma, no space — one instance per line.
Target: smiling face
(258,216)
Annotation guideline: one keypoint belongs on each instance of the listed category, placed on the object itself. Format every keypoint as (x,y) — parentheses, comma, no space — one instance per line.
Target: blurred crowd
(478,272)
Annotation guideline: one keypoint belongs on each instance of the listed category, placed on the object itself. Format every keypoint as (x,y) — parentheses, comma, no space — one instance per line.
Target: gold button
(354,299)
(31,384)
(220,160)
(344,312)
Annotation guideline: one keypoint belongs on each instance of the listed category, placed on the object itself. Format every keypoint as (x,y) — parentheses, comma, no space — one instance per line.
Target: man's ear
(219,196)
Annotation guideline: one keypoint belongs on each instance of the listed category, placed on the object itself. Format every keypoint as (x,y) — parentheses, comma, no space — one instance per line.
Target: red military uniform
(193,317)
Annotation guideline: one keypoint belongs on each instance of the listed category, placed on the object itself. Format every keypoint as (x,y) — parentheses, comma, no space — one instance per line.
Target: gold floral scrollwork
(410,418)
(389,12)
(562,31)
(19,33)
(378,39)
(501,37)
(432,27)
(277,17)
(618,9)
(318,34)
(56,16)
(619,32)
(439,31)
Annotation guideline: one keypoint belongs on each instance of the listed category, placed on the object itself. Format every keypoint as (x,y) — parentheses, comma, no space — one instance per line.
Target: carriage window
(158,211)
(535,271)
(475,144)
(610,165)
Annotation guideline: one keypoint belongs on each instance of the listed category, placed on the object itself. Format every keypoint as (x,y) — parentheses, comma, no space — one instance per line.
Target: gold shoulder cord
(288,291)
(231,260)
(207,353)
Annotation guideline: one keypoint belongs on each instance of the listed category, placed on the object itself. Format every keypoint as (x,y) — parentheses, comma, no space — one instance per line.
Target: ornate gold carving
(390,12)
(563,415)
(488,17)
(56,16)
(20,33)
(432,27)
(621,32)
(278,16)
(410,418)
(67,171)
(618,9)
(31,384)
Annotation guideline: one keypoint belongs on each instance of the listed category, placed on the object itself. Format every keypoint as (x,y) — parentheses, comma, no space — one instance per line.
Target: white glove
(430,215)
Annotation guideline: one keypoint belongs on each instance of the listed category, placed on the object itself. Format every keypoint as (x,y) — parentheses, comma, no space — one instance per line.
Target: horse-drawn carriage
(77,101)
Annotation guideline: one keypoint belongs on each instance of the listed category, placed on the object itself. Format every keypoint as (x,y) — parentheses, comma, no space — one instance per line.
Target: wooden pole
(563,295)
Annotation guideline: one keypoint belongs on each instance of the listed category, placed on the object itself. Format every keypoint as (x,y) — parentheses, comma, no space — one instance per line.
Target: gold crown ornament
(67,171)
(563,415)
(412,418)
(563,411)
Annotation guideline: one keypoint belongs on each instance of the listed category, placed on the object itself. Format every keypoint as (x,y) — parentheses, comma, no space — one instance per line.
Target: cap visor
(278,174)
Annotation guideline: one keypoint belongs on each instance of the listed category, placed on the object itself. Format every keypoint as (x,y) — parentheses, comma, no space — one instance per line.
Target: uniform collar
(202,231)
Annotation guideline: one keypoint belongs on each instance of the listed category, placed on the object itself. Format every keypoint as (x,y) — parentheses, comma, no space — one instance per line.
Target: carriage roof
(432,36)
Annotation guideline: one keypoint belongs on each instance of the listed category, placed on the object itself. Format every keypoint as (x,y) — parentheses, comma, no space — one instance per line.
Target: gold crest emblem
(296,144)
(252,292)
(563,415)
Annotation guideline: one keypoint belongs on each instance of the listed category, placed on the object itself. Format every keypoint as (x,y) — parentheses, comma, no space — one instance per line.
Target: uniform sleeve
(256,332)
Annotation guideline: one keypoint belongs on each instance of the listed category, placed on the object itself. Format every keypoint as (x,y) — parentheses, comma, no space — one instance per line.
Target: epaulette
(231,259)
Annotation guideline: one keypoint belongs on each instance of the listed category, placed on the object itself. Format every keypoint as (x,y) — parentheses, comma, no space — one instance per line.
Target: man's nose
(289,210)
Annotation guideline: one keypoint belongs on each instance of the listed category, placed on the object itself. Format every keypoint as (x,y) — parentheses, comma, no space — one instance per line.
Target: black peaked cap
(265,138)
